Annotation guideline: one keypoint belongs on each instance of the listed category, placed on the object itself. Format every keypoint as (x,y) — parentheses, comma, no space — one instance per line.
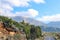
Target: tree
(35,32)
(23,22)
(38,31)
(32,32)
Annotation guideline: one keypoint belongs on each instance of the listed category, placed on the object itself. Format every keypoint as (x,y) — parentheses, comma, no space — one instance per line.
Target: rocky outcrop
(10,33)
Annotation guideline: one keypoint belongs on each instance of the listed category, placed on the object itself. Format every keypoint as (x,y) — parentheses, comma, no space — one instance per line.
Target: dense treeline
(31,31)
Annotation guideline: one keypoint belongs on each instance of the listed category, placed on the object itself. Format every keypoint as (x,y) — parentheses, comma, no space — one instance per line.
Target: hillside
(6,33)
(54,24)
(28,20)
(20,30)
(50,27)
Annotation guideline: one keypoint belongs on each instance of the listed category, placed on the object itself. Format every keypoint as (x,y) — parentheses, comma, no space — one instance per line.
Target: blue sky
(41,10)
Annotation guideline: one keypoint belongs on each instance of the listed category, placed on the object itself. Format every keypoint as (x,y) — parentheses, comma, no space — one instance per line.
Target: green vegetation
(30,30)
(38,31)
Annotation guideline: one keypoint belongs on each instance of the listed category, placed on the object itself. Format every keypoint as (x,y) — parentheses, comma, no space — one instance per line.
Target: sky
(41,10)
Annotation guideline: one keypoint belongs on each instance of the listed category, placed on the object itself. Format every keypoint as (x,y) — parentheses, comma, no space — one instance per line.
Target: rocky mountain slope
(54,24)
(28,20)
(50,27)
(9,33)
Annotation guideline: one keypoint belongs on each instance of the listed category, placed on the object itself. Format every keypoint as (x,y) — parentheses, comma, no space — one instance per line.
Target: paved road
(49,38)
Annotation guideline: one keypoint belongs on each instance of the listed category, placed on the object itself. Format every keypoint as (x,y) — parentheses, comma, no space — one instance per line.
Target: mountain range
(28,20)
(50,27)
(54,24)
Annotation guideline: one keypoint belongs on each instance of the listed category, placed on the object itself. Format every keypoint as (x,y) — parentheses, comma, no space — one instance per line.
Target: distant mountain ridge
(28,20)
(54,24)
(50,27)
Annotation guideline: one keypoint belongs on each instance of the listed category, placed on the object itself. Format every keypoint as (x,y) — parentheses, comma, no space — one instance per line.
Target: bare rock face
(5,34)
(2,29)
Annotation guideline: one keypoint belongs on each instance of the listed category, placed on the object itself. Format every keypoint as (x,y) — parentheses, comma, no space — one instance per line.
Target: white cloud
(55,17)
(6,8)
(28,13)
(22,3)
(39,1)
(4,12)
(18,2)
(33,12)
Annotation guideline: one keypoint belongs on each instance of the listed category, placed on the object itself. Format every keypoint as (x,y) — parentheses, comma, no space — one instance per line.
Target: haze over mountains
(28,20)
(50,27)
(54,24)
